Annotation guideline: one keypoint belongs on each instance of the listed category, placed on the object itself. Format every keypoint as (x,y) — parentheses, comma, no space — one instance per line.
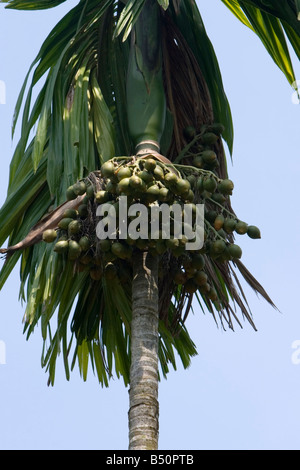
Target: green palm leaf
(128,18)
(269,20)
(293,38)
(286,10)
(164,4)
(32,5)
(298,9)
(270,31)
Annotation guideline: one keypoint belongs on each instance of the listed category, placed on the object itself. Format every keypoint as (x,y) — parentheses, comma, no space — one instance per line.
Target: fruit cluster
(201,148)
(150,182)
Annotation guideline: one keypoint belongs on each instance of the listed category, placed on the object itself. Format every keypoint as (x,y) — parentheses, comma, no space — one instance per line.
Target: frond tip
(273,22)
(32,5)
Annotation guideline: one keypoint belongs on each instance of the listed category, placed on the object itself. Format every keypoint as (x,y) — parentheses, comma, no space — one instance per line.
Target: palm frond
(80,117)
(128,18)
(297,2)
(188,20)
(269,20)
(32,5)
(286,10)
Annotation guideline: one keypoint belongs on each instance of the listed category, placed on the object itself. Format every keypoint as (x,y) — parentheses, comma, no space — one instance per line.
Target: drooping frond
(272,21)
(186,16)
(80,119)
(29,5)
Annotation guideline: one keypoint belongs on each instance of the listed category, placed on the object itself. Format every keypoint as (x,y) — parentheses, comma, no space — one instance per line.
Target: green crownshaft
(146,103)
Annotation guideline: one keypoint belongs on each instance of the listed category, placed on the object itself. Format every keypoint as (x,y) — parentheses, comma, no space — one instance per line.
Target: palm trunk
(146,107)
(143,393)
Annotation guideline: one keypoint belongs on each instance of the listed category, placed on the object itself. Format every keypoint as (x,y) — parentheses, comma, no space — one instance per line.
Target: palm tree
(123,83)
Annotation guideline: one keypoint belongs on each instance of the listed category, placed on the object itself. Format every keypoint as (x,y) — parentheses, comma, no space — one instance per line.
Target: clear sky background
(242,391)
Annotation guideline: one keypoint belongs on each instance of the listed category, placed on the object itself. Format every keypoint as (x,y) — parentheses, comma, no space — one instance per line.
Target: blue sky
(242,390)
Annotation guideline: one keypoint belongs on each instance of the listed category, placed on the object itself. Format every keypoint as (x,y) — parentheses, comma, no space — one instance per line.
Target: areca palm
(89,110)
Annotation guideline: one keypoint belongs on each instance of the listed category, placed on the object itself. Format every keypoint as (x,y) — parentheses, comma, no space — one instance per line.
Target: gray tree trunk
(143,393)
